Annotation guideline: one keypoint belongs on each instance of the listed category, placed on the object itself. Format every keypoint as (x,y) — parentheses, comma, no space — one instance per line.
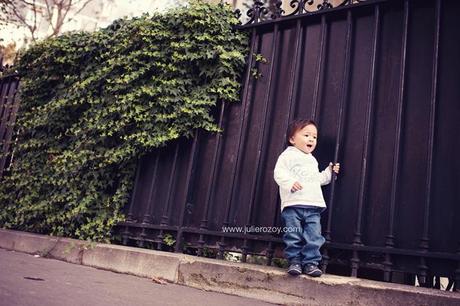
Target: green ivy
(93,103)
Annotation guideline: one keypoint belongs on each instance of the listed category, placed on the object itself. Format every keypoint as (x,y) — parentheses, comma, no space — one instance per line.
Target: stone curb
(264,283)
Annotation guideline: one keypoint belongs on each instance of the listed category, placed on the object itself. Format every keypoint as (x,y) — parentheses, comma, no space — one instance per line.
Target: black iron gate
(382,79)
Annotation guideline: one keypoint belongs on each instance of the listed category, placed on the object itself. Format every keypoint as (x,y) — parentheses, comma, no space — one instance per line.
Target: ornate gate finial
(257,11)
(278,11)
(324,5)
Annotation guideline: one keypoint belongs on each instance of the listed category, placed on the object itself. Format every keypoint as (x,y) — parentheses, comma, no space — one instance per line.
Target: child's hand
(335,168)
(296,187)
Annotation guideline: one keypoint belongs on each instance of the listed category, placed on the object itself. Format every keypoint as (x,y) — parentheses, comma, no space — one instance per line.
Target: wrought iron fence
(381,78)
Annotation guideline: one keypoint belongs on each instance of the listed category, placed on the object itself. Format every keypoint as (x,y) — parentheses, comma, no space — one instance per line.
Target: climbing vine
(93,103)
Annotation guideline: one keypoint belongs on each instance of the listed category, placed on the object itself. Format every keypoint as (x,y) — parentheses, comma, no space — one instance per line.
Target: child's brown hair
(296,125)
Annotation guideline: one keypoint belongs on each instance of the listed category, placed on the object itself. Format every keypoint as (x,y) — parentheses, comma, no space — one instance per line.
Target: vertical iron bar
(342,107)
(319,79)
(10,118)
(166,210)
(189,180)
(147,216)
(2,94)
(294,72)
(367,132)
(424,241)
(6,105)
(262,139)
(129,217)
(7,160)
(211,182)
(4,88)
(434,92)
(243,123)
(295,68)
(389,239)
(212,178)
(172,176)
(367,147)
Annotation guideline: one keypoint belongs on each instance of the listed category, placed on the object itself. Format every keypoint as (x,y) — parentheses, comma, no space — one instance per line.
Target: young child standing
(299,179)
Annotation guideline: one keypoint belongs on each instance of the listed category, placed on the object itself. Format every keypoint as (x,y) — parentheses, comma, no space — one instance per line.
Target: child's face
(305,139)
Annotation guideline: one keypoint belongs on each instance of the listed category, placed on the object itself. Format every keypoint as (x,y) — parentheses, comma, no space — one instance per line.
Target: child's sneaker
(312,270)
(295,269)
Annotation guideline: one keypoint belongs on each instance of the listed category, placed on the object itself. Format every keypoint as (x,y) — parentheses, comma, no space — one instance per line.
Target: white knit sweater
(294,165)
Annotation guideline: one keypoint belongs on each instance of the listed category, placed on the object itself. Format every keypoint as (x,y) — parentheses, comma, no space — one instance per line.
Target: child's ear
(291,140)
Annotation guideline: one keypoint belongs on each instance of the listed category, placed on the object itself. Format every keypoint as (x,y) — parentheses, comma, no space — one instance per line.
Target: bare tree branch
(49,11)
(28,13)
(34,27)
(83,6)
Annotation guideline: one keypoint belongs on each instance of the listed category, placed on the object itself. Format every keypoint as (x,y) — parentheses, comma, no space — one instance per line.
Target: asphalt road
(26,280)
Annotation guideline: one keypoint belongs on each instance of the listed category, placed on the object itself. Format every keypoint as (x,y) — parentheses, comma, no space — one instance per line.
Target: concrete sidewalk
(264,283)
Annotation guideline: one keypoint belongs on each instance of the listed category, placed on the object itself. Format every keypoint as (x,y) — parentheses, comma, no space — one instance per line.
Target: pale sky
(88,20)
